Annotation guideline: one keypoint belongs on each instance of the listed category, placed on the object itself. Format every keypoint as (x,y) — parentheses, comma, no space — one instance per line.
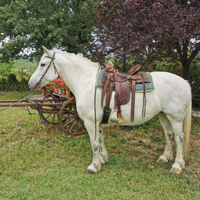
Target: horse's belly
(153,107)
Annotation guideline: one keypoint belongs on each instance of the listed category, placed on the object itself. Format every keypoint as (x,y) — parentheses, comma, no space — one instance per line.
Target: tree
(27,25)
(155,28)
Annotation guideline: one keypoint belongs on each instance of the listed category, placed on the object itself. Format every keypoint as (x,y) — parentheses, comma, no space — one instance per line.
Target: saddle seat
(123,84)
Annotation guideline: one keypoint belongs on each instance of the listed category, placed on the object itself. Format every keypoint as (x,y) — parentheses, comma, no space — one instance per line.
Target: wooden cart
(54,109)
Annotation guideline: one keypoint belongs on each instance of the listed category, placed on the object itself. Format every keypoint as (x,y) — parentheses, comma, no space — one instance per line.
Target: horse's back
(174,92)
(169,82)
(169,79)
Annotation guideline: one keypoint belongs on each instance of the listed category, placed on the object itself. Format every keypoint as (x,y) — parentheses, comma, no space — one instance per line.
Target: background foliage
(7,67)
(160,35)
(22,69)
(155,30)
(27,25)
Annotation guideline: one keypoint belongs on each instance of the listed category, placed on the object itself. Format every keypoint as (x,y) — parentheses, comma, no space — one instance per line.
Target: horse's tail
(186,129)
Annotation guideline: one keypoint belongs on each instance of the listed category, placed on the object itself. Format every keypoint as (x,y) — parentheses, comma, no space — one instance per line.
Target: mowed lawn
(42,162)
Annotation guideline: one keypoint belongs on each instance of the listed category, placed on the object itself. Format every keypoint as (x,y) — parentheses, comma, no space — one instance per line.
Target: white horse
(170,100)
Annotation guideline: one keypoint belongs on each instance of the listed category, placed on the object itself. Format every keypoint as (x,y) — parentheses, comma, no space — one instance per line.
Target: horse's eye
(42,64)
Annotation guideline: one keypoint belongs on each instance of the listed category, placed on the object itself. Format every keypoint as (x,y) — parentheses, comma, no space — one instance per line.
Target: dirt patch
(37,96)
(110,127)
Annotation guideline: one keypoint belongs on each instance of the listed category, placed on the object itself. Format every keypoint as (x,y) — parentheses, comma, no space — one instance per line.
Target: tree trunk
(124,63)
(186,70)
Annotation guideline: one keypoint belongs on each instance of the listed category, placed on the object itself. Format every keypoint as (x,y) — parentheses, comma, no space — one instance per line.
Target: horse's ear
(46,50)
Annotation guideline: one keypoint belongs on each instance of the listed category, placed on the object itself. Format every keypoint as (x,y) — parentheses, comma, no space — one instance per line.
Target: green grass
(15,95)
(42,162)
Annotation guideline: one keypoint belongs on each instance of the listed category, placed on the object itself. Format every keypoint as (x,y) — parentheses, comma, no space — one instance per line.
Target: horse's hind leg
(179,138)
(102,150)
(168,153)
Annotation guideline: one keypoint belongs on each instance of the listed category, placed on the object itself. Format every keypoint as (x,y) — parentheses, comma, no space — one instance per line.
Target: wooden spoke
(49,113)
(69,122)
(72,126)
(69,119)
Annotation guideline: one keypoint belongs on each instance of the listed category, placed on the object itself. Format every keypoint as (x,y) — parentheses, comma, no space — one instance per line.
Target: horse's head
(45,72)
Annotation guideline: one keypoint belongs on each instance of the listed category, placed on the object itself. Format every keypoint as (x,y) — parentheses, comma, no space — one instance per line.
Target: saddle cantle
(123,84)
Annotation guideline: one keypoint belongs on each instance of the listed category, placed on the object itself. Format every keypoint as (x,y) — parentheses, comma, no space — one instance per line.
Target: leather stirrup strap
(104,88)
(107,73)
(109,90)
(133,100)
(144,97)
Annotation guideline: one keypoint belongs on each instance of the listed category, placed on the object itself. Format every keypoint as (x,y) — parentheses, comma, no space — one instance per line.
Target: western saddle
(123,84)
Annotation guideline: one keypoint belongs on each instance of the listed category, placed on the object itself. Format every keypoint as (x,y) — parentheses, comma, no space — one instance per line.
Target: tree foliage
(155,28)
(27,25)
(7,67)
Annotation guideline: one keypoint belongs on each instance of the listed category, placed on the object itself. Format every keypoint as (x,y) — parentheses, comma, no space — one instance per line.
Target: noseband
(56,71)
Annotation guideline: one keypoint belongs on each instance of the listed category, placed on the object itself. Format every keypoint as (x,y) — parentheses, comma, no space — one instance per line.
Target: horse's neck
(78,74)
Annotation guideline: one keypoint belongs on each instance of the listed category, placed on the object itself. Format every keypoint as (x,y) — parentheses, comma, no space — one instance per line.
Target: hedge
(13,86)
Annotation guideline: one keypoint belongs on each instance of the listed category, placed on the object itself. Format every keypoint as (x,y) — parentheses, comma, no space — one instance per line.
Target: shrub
(12,78)
(3,79)
(24,80)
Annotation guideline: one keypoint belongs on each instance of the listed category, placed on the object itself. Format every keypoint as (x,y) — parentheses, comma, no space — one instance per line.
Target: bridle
(56,71)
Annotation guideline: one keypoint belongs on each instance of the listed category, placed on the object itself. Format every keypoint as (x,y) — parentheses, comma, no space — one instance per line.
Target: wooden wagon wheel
(69,119)
(50,113)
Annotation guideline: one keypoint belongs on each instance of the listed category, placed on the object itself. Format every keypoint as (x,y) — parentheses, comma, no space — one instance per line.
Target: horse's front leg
(100,155)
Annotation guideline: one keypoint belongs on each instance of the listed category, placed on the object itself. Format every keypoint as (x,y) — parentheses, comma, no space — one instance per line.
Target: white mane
(79,55)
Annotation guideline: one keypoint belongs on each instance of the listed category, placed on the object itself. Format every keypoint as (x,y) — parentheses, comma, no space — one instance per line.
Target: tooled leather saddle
(123,84)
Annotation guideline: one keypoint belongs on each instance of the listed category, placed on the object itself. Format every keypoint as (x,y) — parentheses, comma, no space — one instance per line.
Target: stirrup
(116,117)
(119,117)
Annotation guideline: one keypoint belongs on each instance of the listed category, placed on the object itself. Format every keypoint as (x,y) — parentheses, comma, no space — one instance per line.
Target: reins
(95,109)
(56,71)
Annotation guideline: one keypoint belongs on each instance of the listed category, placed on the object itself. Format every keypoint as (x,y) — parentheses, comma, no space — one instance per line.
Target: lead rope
(95,108)
(17,102)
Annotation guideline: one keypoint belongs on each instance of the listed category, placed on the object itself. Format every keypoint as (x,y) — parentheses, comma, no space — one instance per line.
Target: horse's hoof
(175,170)
(160,160)
(88,171)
